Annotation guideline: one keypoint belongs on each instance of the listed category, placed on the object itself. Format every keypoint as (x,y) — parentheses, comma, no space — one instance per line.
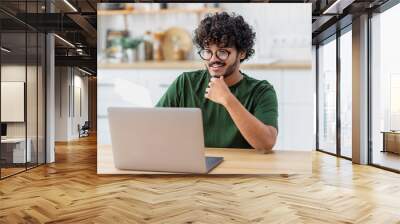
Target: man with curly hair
(238,111)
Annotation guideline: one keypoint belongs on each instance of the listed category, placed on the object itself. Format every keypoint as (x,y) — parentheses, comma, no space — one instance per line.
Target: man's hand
(260,136)
(218,91)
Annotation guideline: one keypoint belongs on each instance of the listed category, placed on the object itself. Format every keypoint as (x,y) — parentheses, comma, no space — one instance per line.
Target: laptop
(159,139)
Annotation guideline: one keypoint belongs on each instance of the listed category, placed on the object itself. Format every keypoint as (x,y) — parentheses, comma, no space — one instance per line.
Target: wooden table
(391,141)
(236,161)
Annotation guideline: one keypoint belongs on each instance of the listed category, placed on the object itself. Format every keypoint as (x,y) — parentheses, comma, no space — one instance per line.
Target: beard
(228,71)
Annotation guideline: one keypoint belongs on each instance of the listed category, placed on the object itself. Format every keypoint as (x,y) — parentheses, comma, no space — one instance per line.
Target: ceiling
(74,22)
(332,15)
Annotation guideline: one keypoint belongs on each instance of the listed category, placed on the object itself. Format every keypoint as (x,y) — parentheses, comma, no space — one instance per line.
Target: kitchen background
(143,47)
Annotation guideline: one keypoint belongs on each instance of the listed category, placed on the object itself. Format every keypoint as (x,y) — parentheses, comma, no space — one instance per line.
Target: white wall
(282,30)
(61,103)
(69,82)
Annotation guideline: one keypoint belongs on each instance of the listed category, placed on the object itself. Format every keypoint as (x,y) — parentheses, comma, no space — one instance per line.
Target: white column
(50,100)
(360,90)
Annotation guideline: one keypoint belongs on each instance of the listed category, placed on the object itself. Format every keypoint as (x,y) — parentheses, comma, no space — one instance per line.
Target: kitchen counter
(236,161)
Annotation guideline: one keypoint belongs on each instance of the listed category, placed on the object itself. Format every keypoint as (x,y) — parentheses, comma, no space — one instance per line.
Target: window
(395,102)
(327,97)
(346,94)
(385,89)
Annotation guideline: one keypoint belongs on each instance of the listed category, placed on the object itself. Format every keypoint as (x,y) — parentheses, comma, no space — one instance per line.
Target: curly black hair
(225,30)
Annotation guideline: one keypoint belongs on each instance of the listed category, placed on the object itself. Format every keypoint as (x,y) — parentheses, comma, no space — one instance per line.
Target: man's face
(220,61)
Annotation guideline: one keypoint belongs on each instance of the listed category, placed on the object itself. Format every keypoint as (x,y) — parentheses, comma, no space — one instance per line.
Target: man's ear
(242,55)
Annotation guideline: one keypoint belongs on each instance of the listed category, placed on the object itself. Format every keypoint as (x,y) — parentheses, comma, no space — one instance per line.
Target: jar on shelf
(157,53)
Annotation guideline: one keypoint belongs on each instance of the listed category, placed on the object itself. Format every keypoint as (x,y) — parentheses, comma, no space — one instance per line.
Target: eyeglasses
(207,54)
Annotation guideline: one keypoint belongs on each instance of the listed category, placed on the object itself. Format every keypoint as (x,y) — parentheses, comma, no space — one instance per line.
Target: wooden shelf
(156,11)
(200,65)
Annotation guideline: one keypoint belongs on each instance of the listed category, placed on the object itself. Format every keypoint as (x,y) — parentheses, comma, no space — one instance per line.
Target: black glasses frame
(212,53)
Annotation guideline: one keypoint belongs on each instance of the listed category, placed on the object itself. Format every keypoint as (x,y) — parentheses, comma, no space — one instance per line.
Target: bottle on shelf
(148,46)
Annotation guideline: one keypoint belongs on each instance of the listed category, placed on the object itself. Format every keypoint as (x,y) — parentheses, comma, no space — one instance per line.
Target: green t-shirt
(257,96)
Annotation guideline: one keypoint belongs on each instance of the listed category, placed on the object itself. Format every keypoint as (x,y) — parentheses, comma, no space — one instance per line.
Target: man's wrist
(228,100)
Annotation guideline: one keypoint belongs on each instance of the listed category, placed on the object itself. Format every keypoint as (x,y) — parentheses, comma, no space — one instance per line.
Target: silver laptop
(159,139)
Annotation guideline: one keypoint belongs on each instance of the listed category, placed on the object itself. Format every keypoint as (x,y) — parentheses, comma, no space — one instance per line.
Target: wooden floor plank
(70,191)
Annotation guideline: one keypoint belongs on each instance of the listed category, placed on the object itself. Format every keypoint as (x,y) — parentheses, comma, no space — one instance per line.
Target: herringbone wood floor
(70,191)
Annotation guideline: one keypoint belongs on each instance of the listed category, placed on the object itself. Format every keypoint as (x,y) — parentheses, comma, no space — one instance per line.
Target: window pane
(327,97)
(386,89)
(346,93)
(31,100)
(22,89)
